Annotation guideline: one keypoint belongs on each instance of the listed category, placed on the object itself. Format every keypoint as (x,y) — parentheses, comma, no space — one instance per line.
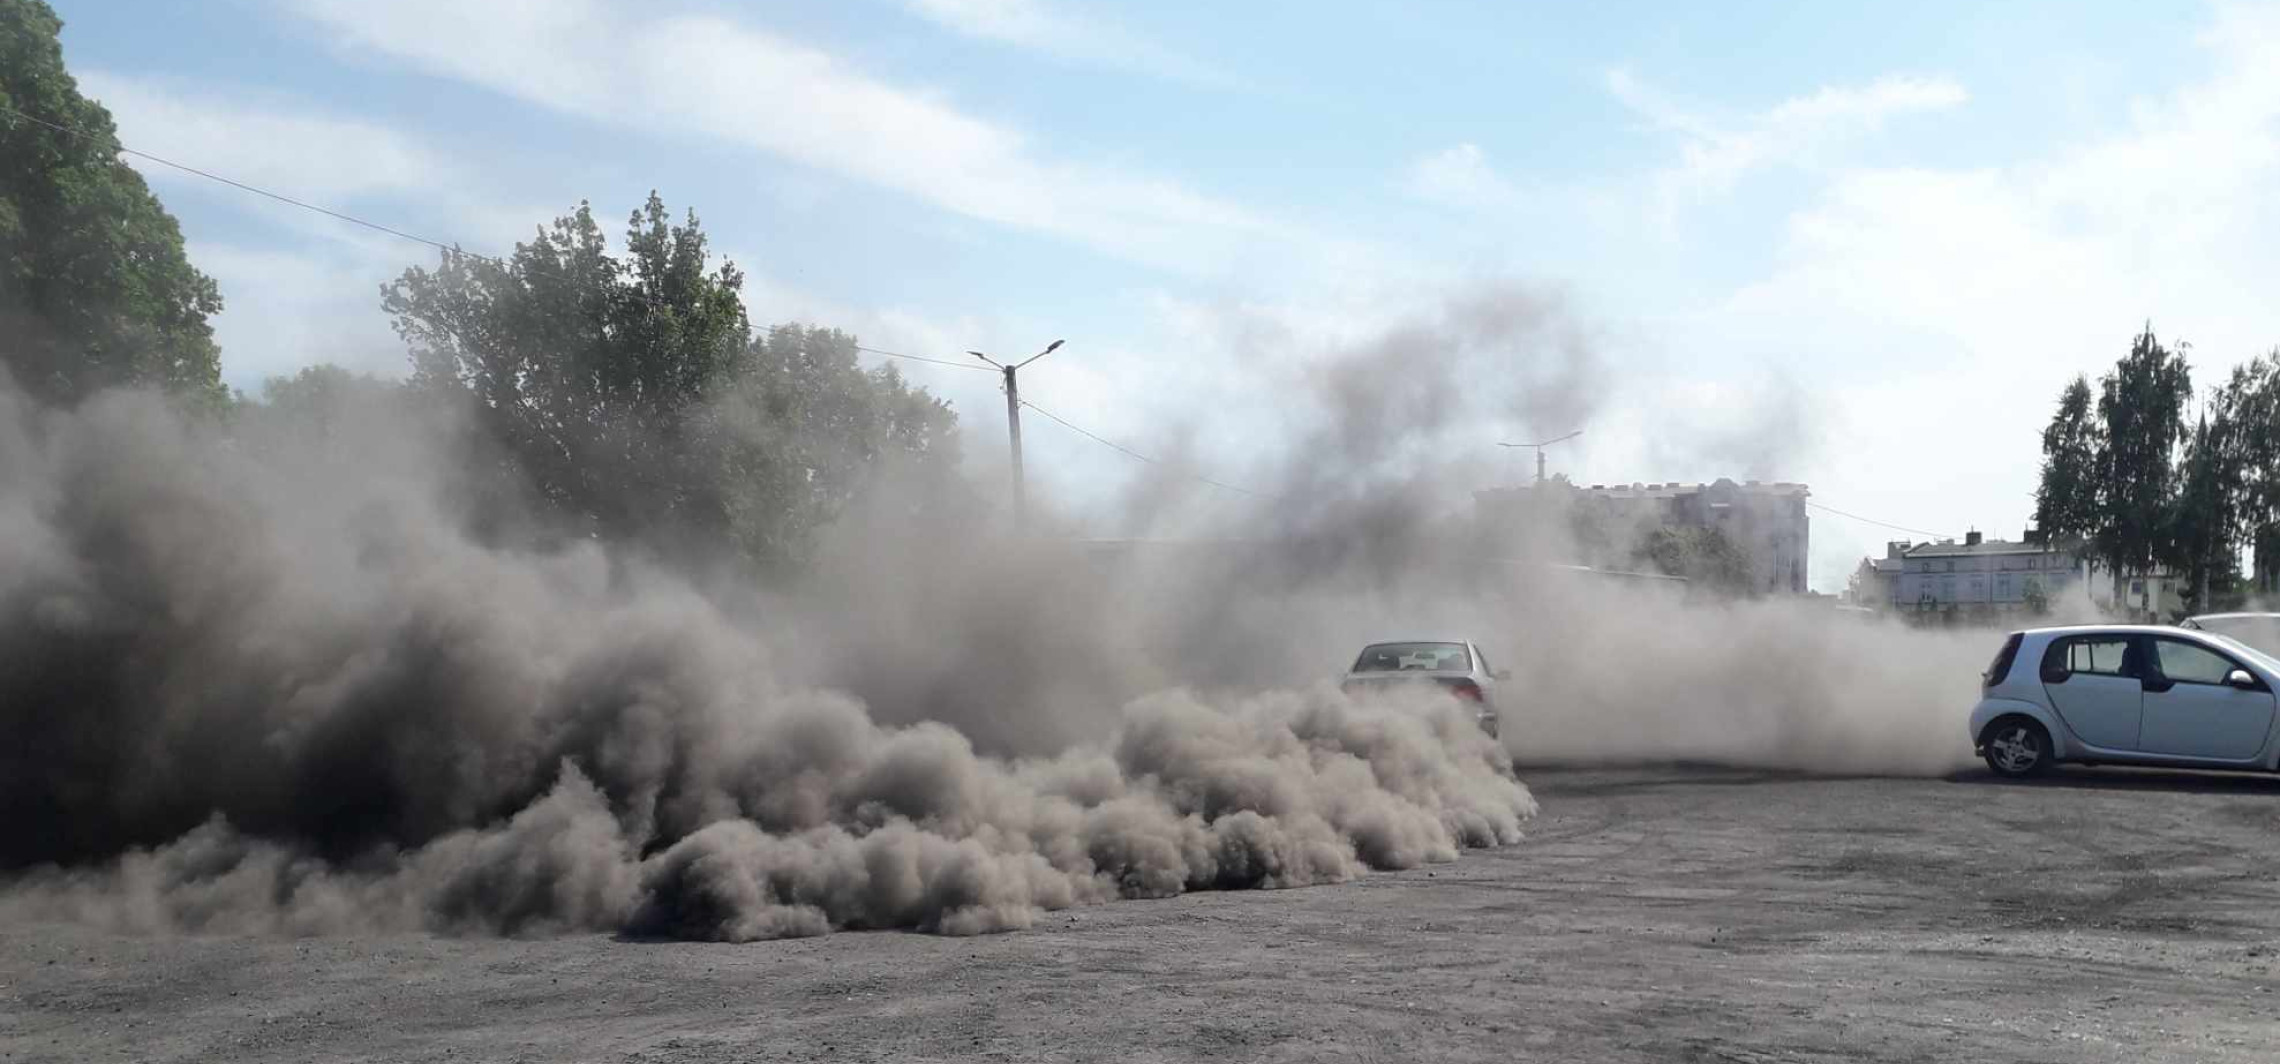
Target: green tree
(310,403)
(2141,406)
(630,395)
(2037,599)
(2068,503)
(1706,557)
(2251,402)
(2205,519)
(590,370)
(95,289)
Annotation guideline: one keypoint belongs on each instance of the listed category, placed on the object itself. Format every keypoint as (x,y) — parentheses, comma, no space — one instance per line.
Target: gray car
(2260,631)
(2127,694)
(1456,665)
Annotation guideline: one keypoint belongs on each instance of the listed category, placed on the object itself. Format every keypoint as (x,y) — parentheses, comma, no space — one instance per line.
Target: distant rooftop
(1673,489)
(1991,546)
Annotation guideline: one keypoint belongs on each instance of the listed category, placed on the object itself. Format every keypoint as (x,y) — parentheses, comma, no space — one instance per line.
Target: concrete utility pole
(1540,450)
(1013,424)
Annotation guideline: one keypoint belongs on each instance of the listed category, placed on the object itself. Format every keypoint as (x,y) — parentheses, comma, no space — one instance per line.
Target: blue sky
(1853,246)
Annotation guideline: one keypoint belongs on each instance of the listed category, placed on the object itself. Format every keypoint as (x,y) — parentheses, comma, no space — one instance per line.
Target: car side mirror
(1501,674)
(2242,679)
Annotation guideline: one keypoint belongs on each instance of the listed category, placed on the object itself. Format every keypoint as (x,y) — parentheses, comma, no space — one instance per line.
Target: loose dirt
(1652,914)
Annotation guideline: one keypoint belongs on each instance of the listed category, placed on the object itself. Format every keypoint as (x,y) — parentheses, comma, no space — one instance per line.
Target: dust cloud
(277,689)
(262,685)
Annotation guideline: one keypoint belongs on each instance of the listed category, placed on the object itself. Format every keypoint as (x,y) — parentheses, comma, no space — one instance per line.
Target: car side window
(2187,663)
(2089,655)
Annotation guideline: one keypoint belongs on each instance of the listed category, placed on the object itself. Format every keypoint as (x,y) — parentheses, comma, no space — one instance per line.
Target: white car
(2126,694)
(2261,631)
(1456,665)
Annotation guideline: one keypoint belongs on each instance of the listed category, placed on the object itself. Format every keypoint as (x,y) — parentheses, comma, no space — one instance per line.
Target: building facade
(1767,523)
(1983,575)
(1992,576)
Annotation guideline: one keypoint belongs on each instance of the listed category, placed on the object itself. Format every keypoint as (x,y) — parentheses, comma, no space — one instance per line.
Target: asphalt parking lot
(1653,914)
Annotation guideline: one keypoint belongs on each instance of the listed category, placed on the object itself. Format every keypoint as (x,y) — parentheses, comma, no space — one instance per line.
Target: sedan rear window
(1412,657)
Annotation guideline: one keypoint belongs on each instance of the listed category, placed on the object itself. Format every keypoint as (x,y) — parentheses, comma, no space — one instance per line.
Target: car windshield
(2260,632)
(1413,657)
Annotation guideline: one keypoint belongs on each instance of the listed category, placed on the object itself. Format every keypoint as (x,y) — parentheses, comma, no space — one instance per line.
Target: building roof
(1675,489)
(1992,546)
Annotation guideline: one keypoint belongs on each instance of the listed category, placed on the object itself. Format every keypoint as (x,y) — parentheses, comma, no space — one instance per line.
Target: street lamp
(1540,450)
(1013,423)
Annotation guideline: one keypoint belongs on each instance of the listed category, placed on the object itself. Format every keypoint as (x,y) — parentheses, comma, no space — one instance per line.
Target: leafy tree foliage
(2111,476)
(2204,521)
(630,394)
(590,370)
(808,430)
(95,289)
(2036,599)
(1704,556)
(2068,505)
(2250,403)
(2142,407)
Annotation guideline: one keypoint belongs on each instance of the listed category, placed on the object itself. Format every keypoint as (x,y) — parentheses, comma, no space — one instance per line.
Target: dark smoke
(267,685)
(281,689)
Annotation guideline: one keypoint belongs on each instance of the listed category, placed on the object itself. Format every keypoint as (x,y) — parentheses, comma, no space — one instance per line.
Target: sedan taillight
(1466,689)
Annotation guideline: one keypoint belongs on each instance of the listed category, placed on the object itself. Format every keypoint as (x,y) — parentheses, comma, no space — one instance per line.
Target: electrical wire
(923,358)
(1130,453)
(240,185)
(454,249)
(448,249)
(1880,524)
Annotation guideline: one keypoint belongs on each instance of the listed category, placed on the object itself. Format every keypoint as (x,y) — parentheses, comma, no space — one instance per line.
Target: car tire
(2016,747)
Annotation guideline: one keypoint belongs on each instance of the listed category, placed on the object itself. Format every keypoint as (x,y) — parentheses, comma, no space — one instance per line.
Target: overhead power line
(455,249)
(1130,453)
(448,249)
(923,358)
(1879,524)
(242,186)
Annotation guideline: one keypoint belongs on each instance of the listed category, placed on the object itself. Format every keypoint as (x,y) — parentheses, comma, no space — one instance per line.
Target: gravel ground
(1653,914)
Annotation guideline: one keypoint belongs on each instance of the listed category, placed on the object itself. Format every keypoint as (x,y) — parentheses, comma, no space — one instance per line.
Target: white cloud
(1715,154)
(309,292)
(284,310)
(721,80)
(1052,28)
(262,140)
(1942,309)
(1461,177)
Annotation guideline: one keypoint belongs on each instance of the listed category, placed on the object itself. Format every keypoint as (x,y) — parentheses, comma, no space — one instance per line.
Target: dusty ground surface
(1653,914)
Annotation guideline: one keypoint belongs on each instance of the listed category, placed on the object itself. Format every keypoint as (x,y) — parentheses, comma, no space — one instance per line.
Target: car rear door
(2092,681)
(2189,710)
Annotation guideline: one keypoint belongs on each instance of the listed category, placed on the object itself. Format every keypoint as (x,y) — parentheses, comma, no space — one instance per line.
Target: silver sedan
(1456,665)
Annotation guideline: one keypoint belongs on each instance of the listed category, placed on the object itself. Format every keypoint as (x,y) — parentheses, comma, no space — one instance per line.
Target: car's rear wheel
(2017,747)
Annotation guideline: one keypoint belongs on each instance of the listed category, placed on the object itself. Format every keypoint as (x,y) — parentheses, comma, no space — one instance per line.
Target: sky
(1848,245)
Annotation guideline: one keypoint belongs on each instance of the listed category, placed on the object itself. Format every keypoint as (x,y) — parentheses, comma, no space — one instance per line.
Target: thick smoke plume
(281,689)
(265,682)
